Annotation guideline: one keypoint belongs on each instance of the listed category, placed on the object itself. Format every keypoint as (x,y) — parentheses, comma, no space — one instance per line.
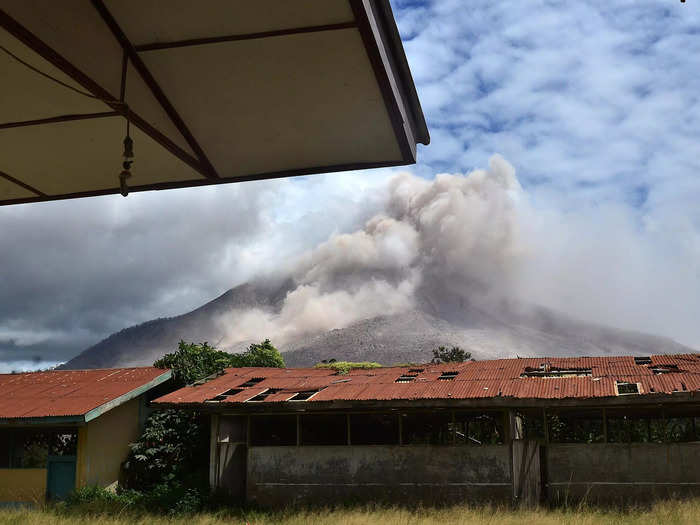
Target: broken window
(427,428)
(262,396)
(635,426)
(324,429)
(303,396)
(642,360)
(532,424)
(267,431)
(479,428)
(20,448)
(576,426)
(252,382)
(624,388)
(374,429)
(446,376)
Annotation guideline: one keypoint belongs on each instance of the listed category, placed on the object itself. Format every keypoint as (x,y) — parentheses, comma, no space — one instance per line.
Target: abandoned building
(64,429)
(529,430)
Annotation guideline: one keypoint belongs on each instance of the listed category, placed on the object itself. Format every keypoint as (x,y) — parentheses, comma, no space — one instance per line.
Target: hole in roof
(627,388)
(263,395)
(415,370)
(406,378)
(232,392)
(218,398)
(448,375)
(642,360)
(303,396)
(665,369)
(550,371)
(252,382)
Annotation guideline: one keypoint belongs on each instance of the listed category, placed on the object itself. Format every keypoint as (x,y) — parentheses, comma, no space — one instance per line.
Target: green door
(60,477)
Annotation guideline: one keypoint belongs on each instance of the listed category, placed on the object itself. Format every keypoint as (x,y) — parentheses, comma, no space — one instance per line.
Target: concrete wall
(281,476)
(618,472)
(22,485)
(103,445)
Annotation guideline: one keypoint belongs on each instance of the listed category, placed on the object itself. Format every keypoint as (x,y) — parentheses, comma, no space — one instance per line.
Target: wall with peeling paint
(280,476)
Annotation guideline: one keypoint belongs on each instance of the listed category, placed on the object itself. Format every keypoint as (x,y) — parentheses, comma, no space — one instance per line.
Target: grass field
(666,513)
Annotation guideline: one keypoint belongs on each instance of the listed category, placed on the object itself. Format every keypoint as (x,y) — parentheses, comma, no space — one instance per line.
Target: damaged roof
(528,378)
(65,393)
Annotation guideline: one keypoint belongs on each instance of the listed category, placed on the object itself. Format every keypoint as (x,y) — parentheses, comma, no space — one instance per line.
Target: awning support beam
(155,88)
(155,46)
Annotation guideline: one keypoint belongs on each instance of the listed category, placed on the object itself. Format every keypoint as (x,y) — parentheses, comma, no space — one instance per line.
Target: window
(427,429)
(624,388)
(446,376)
(374,429)
(635,426)
(252,382)
(324,429)
(479,428)
(21,448)
(266,431)
(580,426)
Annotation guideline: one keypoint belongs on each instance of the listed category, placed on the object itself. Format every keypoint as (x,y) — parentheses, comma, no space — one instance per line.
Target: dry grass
(666,513)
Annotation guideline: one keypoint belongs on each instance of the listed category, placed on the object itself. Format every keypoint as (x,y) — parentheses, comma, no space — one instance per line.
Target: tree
(168,464)
(192,362)
(442,354)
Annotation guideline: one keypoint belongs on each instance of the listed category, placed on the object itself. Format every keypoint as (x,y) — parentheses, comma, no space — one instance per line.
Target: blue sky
(595,103)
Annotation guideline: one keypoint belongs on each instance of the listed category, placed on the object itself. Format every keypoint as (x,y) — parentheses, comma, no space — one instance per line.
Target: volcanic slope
(503,329)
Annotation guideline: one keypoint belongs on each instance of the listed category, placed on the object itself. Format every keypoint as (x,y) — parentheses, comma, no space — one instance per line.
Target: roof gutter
(96,412)
(396,51)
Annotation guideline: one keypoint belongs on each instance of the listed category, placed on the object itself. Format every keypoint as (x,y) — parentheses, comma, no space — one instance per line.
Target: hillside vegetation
(668,513)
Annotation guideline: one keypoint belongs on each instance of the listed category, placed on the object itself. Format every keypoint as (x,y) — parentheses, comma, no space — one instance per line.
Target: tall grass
(666,513)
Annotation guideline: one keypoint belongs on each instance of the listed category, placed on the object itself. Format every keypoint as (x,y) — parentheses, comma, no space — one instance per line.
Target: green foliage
(263,354)
(192,362)
(344,367)
(174,446)
(168,466)
(161,499)
(442,354)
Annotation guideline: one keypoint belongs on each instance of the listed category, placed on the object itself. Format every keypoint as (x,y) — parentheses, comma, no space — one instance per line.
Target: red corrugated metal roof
(68,392)
(475,379)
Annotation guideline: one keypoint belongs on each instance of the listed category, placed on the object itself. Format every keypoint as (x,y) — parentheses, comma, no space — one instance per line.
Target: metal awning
(212,92)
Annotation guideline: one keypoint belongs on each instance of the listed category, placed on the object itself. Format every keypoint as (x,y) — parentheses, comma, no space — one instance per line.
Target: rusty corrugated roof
(590,377)
(60,393)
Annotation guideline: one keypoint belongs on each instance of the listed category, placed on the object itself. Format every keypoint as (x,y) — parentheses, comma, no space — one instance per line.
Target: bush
(174,446)
(344,367)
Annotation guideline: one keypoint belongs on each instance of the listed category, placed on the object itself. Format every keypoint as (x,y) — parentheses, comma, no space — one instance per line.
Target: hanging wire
(128,142)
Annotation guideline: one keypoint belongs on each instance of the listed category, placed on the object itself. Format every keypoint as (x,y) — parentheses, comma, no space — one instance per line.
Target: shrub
(344,367)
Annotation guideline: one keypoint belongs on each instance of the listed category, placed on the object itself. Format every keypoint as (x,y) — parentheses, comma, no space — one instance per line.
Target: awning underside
(214,91)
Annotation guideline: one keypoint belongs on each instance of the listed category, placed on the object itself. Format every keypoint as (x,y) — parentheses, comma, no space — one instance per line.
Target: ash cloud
(483,239)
